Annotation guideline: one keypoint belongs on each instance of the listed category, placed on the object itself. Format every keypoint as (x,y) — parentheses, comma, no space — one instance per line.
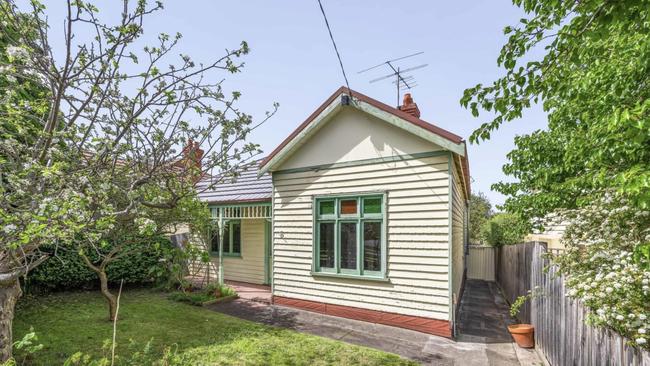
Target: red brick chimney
(409,106)
(192,153)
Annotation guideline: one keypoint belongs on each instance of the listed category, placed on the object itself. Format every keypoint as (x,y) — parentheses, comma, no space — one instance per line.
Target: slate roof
(246,188)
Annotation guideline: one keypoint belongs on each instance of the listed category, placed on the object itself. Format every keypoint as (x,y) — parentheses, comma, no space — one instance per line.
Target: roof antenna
(402,82)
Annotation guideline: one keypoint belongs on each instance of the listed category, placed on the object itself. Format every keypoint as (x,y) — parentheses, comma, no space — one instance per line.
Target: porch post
(221,231)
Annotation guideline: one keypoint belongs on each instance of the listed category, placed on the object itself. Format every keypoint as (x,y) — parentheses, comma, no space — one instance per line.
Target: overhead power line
(336,49)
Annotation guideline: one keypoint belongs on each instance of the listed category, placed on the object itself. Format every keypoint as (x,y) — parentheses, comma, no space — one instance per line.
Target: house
(361,212)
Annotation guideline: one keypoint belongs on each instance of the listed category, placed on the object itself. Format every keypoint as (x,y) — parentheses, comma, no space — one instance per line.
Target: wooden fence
(560,331)
(481,263)
(514,269)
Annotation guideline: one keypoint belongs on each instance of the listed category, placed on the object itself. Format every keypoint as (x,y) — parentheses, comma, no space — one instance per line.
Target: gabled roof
(247,187)
(394,116)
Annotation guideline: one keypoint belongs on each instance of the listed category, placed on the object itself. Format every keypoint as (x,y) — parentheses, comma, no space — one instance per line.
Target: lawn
(77,321)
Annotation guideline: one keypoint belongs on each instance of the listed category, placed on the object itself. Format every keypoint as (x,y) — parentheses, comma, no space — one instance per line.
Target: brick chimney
(409,106)
(192,153)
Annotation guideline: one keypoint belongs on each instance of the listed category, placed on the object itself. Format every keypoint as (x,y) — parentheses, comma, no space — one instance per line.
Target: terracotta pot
(523,335)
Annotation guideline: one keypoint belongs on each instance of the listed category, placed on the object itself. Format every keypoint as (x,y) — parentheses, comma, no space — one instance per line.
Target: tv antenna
(402,82)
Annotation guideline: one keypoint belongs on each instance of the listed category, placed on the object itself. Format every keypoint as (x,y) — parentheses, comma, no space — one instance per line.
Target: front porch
(238,244)
(251,292)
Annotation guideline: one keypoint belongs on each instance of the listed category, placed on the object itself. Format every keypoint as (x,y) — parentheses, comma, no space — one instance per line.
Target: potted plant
(523,334)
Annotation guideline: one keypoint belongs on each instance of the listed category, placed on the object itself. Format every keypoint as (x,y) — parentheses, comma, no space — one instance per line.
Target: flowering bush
(607,266)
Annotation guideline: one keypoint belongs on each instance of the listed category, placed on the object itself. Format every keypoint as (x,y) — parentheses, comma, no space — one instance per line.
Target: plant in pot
(523,334)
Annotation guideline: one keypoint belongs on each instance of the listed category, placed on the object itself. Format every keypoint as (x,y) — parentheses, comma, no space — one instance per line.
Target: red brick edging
(421,324)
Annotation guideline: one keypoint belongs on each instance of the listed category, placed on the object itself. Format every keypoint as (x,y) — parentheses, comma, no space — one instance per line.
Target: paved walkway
(480,341)
(248,291)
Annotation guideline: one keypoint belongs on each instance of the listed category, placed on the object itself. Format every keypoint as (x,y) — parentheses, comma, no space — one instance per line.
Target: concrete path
(247,291)
(478,346)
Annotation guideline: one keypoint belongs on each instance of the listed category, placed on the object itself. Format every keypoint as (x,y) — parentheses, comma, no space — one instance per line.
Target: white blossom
(16,52)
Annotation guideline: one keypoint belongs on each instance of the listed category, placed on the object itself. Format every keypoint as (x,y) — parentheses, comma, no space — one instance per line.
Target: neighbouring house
(552,234)
(361,212)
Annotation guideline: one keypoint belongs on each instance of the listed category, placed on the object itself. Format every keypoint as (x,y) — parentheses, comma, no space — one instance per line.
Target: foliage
(504,229)
(515,307)
(602,267)
(64,269)
(592,81)
(480,211)
(106,132)
(176,334)
(591,167)
(211,292)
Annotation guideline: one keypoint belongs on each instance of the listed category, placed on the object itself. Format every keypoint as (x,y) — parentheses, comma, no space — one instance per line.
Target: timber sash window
(349,235)
(231,240)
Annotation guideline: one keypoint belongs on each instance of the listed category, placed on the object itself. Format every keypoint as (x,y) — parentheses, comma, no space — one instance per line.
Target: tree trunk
(112,300)
(9,295)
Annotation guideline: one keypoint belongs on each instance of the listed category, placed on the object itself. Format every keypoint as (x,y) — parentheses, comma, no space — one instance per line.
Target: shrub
(203,295)
(504,229)
(145,264)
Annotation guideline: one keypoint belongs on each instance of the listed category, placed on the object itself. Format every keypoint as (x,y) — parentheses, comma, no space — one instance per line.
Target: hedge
(66,270)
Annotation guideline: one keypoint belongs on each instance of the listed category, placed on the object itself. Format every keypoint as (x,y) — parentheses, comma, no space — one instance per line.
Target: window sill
(350,276)
(216,255)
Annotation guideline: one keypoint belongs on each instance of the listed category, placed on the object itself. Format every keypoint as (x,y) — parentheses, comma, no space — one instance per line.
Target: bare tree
(111,119)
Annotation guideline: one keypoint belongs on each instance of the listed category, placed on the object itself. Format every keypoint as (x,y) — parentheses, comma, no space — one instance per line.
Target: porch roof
(246,188)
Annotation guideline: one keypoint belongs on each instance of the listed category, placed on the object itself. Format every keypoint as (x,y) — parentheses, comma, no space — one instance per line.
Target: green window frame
(232,240)
(350,236)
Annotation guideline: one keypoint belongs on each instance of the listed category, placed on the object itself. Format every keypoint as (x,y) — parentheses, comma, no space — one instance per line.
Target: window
(349,236)
(231,240)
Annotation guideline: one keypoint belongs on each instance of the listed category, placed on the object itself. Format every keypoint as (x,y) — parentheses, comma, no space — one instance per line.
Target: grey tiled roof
(247,187)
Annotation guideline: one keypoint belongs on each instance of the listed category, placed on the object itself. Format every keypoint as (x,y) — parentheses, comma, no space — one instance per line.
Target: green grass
(77,321)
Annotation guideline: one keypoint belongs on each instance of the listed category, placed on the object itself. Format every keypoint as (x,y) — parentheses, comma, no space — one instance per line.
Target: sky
(292,60)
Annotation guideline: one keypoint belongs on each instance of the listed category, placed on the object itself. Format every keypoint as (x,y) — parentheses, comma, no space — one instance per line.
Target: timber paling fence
(561,334)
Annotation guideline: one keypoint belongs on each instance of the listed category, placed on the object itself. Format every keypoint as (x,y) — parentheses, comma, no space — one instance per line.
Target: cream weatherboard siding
(417,191)
(247,268)
(457,233)
(250,266)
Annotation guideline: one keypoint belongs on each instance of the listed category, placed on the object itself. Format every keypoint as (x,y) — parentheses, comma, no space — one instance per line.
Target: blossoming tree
(102,117)
(591,166)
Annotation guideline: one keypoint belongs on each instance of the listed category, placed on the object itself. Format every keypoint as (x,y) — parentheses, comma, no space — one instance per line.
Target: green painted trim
(350,276)
(345,164)
(226,255)
(450,267)
(359,219)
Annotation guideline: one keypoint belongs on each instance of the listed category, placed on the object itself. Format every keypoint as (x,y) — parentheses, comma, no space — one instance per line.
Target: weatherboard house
(361,212)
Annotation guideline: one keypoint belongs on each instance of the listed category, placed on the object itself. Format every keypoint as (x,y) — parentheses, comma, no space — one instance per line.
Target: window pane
(372,206)
(348,207)
(372,246)
(326,208)
(348,245)
(236,238)
(226,240)
(326,245)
